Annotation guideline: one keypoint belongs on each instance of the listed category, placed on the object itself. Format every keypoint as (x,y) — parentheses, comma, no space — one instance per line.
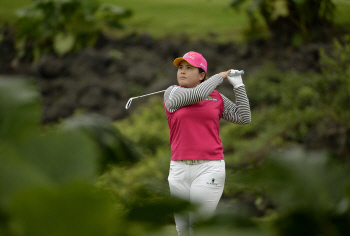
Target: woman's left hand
(224,74)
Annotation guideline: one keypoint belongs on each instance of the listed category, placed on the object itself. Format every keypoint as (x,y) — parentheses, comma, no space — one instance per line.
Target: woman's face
(188,76)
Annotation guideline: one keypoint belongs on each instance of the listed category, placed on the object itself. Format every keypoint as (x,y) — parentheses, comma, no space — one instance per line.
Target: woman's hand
(224,74)
(235,80)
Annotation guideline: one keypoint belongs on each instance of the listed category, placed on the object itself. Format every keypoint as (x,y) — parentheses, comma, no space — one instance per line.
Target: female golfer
(193,109)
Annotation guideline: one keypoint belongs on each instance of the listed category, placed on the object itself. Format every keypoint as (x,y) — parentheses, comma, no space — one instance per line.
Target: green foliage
(292,108)
(147,127)
(16,98)
(339,60)
(72,209)
(147,177)
(141,191)
(42,171)
(48,176)
(299,19)
(114,147)
(63,26)
(309,191)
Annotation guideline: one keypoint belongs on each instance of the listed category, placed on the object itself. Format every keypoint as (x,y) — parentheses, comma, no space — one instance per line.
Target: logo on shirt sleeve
(210,98)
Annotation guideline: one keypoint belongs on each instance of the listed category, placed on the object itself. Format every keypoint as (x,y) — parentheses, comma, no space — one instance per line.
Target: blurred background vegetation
(74,162)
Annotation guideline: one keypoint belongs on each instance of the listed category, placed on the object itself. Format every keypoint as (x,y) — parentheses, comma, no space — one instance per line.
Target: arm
(238,113)
(176,97)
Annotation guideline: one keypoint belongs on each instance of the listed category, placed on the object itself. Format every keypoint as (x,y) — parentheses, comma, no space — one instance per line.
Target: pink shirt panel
(194,130)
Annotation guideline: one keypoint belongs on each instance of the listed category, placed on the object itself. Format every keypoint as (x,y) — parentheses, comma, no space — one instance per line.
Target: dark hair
(200,71)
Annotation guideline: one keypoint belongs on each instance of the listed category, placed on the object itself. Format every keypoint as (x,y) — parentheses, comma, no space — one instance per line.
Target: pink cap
(194,58)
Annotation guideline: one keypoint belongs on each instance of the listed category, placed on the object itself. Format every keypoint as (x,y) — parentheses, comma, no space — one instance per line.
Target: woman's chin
(183,84)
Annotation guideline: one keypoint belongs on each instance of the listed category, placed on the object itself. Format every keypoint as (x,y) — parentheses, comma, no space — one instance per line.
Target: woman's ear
(202,76)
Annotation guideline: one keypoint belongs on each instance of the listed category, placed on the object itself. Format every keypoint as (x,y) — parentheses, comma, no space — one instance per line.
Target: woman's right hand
(224,74)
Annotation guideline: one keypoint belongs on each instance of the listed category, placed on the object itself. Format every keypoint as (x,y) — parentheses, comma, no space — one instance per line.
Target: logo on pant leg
(212,182)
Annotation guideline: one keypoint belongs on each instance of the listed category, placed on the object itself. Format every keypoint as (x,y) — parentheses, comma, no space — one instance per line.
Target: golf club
(241,72)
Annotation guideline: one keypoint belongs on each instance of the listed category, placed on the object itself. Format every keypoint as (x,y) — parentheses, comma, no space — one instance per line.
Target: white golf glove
(235,80)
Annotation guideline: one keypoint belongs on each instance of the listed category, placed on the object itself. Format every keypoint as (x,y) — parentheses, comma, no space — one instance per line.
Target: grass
(9,7)
(161,18)
(198,19)
(342,16)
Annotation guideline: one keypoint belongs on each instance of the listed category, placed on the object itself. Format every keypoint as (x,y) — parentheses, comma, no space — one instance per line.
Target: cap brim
(178,60)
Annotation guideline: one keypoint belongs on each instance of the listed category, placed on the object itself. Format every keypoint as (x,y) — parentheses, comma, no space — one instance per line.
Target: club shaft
(149,94)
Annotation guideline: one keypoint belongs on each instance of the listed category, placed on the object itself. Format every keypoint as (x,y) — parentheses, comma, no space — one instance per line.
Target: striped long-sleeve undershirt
(176,97)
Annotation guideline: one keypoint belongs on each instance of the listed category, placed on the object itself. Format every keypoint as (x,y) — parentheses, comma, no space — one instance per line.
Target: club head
(128,103)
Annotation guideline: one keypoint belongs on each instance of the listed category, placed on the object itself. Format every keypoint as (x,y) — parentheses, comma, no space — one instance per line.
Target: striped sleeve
(238,113)
(176,97)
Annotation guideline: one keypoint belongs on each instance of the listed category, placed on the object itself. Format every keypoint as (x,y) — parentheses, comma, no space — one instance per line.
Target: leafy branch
(63,26)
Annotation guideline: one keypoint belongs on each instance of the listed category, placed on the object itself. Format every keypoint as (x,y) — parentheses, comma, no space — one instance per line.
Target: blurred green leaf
(19,109)
(73,209)
(60,155)
(16,174)
(63,43)
(114,148)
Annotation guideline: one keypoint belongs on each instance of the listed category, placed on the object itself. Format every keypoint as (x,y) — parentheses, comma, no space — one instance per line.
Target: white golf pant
(201,184)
